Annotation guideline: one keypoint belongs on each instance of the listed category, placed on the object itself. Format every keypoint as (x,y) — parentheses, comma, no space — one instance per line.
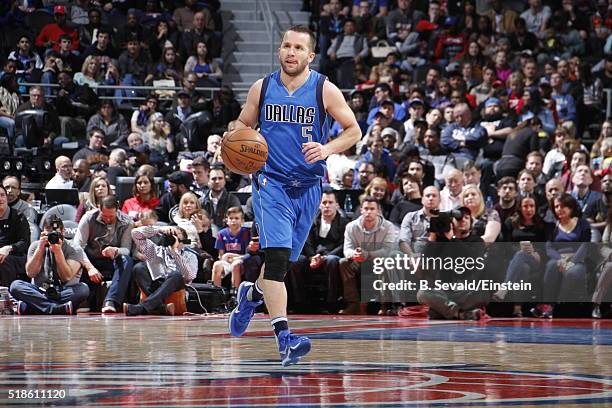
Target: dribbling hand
(313,152)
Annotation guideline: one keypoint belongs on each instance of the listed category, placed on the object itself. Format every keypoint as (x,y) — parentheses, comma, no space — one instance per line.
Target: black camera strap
(51,260)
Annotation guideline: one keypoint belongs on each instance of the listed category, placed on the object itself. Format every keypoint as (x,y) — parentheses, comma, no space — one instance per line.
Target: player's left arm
(336,106)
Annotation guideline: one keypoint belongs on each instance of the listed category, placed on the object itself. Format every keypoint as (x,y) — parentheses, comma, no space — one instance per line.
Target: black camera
(51,292)
(440,222)
(54,237)
(168,240)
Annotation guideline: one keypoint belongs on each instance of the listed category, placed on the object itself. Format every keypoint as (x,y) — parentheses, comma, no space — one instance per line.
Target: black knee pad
(277,263)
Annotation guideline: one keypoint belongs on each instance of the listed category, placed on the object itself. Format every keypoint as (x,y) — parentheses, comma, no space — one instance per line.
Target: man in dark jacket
(218,199)
(179,183)
(321,254)
(14,241)
(75,105)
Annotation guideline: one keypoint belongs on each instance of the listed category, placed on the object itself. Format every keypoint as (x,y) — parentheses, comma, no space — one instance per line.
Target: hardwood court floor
(190,361)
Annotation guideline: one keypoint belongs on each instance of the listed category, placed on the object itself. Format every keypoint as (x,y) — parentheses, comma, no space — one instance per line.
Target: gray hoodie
(379,242)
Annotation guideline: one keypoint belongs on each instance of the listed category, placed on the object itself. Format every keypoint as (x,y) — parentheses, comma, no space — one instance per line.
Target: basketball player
(291,107)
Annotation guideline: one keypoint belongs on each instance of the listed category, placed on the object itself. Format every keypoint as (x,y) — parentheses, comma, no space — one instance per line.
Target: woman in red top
(145,198)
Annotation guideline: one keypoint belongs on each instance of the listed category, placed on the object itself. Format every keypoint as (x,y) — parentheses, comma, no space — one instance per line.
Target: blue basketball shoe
(292,347)
(243,312)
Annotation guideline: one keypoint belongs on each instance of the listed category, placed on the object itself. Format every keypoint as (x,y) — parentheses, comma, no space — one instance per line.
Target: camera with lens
(168,240)
(51,291)
(55,236)
(441,221)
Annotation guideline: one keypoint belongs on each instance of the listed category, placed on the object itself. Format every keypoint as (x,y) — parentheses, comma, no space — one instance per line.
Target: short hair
(110,201)
(234,210)
(470,165)
(14,177)
(525,171)
(535,153)
(304,29)
(53,222)
(507,180)
(36,88)
(96,129)
(118,155)
(66,37)
(566,200)
(370,199)
(200,161)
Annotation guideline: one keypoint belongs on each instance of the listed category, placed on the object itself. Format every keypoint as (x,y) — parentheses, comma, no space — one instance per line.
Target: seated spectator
(365,238)
(536,18)
(144,197)
(507,190)
(451,193)
(527,228)
(49,36)
(180,112)
(9,101)
(96,151)
(99,188)
(463,137)
(14,241)
(200,168)
(225,108)
(75,105)
(28,61)
(231,244)
(167,69)
(604,282)
(140,118)
(208,72)
(380,157)
(566,247)
(321,253)
(414,227)
(199,102)
(63,273)
(134,63)
(183,16)
(90,73)
(12,185)
(451,304)
(111,122)
(104,234)
(179,183)
(157,136)
(169,268)
(196,223)
(486,221)
(63,174)
(555,158)
(81,175)
(51,126)
(71,61)
(218,200)
(410,201)
(347,49)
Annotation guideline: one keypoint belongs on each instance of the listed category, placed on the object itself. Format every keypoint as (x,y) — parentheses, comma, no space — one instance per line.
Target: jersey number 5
(307,132)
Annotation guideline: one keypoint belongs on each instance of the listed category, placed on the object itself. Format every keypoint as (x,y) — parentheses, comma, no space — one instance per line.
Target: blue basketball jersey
(287,121)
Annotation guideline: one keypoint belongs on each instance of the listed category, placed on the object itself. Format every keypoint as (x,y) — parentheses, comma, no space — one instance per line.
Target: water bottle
(5,301)
(348,204)
(489,202)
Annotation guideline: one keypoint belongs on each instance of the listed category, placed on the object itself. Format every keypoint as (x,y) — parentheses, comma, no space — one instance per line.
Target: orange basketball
(244,151)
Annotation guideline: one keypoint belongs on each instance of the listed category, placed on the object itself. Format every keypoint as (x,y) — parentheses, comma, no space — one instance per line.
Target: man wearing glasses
(51,125)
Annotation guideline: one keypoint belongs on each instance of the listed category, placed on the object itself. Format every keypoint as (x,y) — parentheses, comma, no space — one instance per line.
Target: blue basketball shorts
(284,213)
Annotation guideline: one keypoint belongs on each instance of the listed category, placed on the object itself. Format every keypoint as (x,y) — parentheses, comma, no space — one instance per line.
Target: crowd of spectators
(495,108)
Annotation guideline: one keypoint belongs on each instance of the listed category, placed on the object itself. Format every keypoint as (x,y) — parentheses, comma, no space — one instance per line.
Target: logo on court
(266,383)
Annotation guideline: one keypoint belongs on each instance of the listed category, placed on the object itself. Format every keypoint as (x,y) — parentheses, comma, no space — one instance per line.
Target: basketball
(244,151)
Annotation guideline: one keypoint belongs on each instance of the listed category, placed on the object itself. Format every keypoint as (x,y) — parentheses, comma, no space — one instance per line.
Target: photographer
(450,236)
(170,265)
(55,269)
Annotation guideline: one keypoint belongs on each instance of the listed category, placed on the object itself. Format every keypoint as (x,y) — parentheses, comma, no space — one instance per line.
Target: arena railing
(207,91)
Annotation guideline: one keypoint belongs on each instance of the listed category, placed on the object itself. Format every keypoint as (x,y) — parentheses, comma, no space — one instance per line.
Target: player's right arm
(250,112)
